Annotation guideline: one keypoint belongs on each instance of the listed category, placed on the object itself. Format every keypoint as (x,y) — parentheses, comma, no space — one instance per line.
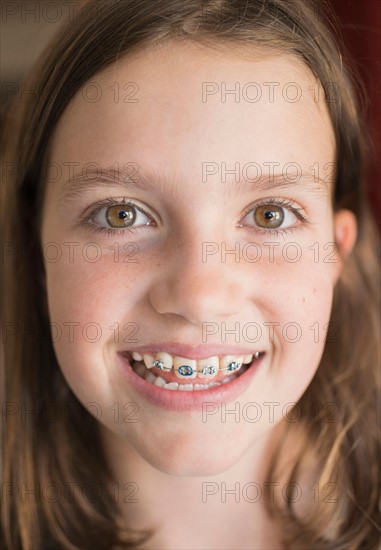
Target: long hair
(48,436)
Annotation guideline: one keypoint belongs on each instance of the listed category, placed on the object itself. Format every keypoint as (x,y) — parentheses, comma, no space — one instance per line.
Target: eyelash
(111,230)
(284,203)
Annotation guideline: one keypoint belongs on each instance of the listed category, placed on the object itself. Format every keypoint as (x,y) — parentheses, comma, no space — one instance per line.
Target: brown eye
(269,216)
(118,217)
(121,216)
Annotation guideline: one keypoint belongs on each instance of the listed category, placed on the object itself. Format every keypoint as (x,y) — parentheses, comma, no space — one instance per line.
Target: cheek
(90,305)
(90,291)
(301,314)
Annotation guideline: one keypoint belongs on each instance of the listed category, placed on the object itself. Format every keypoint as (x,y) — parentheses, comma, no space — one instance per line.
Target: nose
(199,291)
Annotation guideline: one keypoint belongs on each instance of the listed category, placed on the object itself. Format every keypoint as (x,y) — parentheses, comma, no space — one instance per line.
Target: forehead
(183,104)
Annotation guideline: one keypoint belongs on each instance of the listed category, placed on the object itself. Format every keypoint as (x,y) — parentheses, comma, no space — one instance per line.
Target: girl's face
(198,266)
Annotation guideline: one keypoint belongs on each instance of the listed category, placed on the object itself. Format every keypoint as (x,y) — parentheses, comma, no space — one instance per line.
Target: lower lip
(179,400)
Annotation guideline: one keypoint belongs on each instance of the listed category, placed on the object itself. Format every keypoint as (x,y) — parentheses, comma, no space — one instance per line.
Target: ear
(345,232)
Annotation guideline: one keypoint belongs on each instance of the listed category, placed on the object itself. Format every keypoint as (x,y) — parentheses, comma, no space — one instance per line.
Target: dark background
(359,22)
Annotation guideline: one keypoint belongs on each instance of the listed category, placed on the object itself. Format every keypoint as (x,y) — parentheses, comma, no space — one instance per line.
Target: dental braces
(210,370)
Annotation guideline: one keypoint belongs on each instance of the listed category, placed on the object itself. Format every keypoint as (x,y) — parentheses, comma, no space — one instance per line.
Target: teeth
(185,368)
(166,359)
(159,381)
(147,375)
(148,360)
(208,367)
(189,368)
(171,386)
(186,387)
(150,377)
(231,361)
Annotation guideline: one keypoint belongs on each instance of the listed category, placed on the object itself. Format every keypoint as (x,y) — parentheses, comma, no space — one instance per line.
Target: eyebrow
(99,177)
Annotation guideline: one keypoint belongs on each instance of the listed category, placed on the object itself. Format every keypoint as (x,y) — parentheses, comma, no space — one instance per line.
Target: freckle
(303,300)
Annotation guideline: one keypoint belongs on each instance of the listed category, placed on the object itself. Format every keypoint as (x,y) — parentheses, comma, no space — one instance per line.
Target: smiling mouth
(190,375)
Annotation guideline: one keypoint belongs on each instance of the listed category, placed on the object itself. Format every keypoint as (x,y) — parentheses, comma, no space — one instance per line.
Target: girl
(190,322)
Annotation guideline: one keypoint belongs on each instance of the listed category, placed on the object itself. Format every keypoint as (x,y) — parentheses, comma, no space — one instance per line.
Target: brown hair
(39,452)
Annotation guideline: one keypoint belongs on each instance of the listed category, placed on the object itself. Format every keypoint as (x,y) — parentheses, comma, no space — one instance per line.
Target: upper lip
(192,351)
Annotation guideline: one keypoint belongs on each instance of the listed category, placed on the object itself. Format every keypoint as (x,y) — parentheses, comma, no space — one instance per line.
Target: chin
(193,470)
(198,462)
